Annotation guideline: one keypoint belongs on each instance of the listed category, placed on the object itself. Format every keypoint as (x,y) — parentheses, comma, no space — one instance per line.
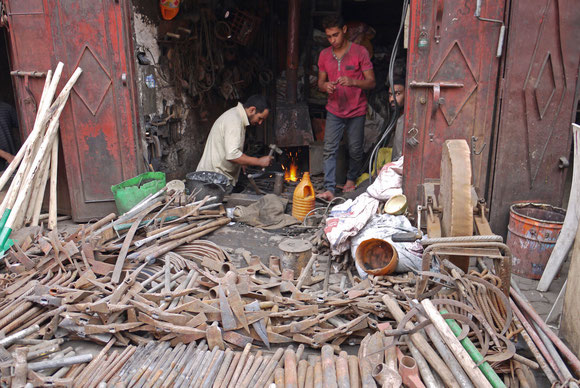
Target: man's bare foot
(326,196)
(349,186)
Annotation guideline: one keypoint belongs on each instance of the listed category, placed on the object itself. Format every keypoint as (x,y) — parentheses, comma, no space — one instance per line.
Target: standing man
(397,103)
(223,151)
(8,122)
(344,72)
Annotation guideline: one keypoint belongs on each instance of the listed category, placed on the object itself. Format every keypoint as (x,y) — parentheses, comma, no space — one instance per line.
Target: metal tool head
(276,149)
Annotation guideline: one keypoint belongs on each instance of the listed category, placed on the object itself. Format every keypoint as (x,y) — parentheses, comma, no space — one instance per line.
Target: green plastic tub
(129,193)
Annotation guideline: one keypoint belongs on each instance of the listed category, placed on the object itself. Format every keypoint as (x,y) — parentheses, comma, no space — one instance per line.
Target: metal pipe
(455,346)
(180,366)
(422,345)
(249,363)
(555,355)
(290,375)
(302,367)
(568,355)
(318,374)
(424,369)
(279,378)
(138,368)
(213,369)
(161,375)
(269,370)
(240,366)
(260,371)
(230,372)
(537,341)
(189,367)
(328,367)
(228,356)
(446,354)
(7,341)
(342,377)
(536,352)
(353,372)
(40,365)
(195,379)
(251,372)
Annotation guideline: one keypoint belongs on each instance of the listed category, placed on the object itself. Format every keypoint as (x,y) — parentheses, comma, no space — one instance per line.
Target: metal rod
(40,365)
(568,355)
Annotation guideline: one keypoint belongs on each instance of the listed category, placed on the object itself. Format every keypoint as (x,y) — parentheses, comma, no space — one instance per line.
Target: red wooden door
(97,126)
(538,105)
(30,16)
(452,72)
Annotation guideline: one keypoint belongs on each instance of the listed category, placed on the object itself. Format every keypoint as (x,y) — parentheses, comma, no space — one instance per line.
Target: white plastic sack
(383,227)
(347,219)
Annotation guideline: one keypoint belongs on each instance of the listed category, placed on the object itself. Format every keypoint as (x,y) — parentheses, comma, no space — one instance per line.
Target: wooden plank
(570,322)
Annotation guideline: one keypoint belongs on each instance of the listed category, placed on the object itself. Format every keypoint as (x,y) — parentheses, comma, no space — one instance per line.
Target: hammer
(273,148)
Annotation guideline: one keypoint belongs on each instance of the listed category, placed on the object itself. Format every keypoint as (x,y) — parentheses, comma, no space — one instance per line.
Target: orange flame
(291,173)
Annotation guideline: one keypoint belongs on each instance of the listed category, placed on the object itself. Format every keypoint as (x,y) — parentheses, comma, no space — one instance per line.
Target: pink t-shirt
(346,101)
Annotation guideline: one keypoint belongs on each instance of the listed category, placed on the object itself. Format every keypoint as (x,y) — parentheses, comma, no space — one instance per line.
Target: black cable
(393,119)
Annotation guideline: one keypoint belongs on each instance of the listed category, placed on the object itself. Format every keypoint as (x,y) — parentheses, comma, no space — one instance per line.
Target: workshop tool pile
(164,304)
(172,309)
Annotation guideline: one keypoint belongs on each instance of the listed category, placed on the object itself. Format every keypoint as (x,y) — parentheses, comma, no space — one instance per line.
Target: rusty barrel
(532,233)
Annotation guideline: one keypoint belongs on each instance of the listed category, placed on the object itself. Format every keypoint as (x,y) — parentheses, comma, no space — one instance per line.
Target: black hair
(399,81)
(258,101)
(332,21)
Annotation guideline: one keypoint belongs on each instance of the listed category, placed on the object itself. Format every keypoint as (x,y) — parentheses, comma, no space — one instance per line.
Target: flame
(291,173)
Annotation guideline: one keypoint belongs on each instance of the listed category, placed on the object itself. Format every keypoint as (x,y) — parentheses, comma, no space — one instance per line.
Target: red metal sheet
(538,105)
(454,52)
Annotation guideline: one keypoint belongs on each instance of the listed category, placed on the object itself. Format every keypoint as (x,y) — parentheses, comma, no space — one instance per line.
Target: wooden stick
(455,346)
(52,208)
(42,120)
(45,100)
(54,111)
(35,205)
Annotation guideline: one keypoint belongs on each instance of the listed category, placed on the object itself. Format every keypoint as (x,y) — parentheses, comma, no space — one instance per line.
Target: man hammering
(223,151)
(345,71)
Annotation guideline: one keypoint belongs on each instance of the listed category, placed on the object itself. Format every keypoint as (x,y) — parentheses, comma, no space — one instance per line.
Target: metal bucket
(532,233)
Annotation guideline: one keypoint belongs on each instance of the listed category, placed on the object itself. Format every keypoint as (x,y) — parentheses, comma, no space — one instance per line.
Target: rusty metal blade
(228,320)
(259,326)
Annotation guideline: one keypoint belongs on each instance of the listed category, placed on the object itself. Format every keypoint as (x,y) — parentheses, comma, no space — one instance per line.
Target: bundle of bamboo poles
(36,162)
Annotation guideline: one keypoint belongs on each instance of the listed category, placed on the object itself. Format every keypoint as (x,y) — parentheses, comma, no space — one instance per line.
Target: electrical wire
(393,119)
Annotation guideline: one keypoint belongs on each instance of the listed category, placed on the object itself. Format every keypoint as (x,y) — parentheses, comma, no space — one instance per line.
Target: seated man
(397,103)
(223,151)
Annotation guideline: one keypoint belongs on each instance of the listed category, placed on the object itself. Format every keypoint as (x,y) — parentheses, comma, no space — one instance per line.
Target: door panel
(28,16)
(451,85)
(537,105)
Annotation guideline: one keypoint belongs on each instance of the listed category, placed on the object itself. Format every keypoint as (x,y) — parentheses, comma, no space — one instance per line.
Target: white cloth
(225,142)
(347,219)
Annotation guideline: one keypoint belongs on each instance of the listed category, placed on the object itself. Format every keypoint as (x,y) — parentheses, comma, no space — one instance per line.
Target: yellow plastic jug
(303,200)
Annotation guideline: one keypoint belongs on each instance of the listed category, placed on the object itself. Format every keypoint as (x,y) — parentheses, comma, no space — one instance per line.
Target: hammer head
(274,147)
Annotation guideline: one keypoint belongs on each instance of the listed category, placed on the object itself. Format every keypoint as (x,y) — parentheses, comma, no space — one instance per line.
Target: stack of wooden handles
(37,159)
